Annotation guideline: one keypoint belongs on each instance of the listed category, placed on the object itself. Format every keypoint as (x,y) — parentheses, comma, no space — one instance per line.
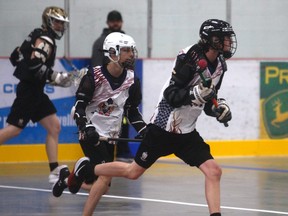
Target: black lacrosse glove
(222,112)
(89,135)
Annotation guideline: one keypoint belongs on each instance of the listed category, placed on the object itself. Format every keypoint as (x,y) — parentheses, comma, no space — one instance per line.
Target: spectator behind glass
(114,23)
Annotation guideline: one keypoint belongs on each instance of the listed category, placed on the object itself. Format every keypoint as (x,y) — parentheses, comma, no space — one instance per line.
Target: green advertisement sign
(274,99)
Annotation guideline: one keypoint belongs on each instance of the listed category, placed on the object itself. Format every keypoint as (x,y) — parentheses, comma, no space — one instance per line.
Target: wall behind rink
(260,25)
(240,88)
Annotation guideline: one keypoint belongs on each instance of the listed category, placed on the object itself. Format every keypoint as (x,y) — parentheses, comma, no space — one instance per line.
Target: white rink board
(240,88)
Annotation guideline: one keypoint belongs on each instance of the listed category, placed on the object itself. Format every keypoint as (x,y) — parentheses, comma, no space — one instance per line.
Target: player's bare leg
(99,187)
(119,169)
(9,132)
(212,174)
(52,126)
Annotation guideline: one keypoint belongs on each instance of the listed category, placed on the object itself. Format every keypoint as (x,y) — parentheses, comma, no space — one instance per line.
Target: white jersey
(183,119)
(106,108)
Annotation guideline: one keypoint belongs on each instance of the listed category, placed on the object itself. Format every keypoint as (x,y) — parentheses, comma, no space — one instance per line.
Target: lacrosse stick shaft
(69,62)
(202,64)
(107,139)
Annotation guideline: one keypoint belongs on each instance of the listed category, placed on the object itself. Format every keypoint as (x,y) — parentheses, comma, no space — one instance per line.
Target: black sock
(53,166)
(216,214)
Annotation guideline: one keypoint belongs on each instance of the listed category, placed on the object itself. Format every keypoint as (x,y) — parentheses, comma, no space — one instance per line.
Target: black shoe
(77,176)
(60,184)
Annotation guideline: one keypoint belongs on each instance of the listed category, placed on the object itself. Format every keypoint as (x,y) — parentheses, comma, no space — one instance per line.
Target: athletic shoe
(61,184)
(77,176)
(54,174)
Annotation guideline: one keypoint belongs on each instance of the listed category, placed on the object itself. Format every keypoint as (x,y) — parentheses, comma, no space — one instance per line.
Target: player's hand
(222,112)
(201,94)
(62,79)
(89,135)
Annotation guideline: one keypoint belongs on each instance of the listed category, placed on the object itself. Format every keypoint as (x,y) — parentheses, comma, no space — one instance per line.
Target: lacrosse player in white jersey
(185,95)
(34,61)
(105,94)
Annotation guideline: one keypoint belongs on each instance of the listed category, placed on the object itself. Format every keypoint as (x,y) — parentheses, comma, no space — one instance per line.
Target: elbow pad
(40,70)
(176,97)
(78,113)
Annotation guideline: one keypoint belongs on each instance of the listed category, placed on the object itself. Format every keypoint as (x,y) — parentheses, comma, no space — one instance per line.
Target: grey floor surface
(256,186)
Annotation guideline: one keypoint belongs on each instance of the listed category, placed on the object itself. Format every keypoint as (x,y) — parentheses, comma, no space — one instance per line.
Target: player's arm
(177,93)
(131,110)
(84,95)
(42,50)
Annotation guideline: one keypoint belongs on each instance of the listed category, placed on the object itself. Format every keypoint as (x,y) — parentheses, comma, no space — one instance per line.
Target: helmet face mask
(216,33)
(117,43)
(56,20)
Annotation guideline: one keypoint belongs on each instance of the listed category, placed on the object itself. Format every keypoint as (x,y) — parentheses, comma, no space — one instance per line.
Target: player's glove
(222,112)
(201,94)
(89,135)
(62,79)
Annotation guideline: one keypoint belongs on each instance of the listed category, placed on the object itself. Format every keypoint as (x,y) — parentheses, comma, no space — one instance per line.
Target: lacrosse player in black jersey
(188,92)
(34,60)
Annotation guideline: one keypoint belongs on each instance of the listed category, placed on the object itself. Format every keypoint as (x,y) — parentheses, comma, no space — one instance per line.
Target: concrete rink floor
(253,186)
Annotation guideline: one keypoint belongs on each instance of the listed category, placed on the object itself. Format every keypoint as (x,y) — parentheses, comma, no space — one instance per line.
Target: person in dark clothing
(114,23)
(33,62)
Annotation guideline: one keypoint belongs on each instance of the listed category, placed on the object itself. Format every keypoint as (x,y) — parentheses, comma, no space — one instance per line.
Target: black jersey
(28,69)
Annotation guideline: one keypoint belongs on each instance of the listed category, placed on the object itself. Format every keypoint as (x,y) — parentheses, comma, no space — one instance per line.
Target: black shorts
(190,147)
(31,103)
(102,153)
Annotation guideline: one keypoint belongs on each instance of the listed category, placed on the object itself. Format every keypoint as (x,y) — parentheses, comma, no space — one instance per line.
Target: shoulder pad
(48,39)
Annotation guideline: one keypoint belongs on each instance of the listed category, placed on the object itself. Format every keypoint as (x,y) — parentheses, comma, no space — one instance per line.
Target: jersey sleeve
(84,95)
(131,108)
(177,93)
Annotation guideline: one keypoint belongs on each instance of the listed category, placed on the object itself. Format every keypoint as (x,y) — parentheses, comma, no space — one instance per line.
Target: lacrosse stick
(202,64)
(107,139)
(76,74)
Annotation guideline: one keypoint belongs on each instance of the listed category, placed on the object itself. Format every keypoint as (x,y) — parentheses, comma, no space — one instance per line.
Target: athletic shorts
(102,153)
(157,142)
(31,103)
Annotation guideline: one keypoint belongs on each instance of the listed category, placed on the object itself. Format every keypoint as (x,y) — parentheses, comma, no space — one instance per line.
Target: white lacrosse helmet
(115,41)
(54,13)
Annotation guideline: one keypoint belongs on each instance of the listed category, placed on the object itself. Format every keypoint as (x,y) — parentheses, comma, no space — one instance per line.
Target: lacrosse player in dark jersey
(34,60)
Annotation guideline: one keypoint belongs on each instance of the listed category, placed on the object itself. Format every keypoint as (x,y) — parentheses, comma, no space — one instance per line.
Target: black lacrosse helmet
(218,28)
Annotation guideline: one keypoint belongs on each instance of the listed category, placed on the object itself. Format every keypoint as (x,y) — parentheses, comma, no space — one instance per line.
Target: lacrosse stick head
(77,75)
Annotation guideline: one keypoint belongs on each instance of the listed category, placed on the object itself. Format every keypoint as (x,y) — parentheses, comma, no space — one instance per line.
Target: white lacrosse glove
(222,112)
(78,75)
(62,79)
(201,94)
